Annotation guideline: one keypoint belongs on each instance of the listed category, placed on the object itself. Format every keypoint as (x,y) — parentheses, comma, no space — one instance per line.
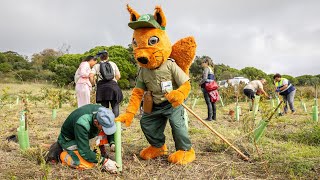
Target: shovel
(246,158)
(263,125)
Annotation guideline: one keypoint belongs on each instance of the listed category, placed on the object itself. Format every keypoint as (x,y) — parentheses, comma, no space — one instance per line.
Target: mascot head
(150,42)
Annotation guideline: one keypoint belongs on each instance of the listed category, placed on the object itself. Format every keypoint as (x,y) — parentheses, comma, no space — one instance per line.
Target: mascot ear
(134,16)
(159,17)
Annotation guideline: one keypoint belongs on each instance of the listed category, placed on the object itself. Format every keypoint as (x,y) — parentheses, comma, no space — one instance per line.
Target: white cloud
(275,36)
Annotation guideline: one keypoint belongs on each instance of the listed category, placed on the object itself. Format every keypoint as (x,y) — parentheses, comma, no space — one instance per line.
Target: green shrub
(5,67)
(26,75)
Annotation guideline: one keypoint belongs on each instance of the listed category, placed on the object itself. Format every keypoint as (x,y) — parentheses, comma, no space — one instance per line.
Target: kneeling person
(81,125)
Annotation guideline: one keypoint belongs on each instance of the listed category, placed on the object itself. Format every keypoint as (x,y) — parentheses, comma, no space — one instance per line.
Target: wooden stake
(216,133)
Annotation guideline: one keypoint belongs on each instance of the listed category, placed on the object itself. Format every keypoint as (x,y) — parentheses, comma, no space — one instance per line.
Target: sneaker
(293,112)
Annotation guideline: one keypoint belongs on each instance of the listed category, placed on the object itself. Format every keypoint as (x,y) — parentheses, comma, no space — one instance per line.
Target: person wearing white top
(81,79)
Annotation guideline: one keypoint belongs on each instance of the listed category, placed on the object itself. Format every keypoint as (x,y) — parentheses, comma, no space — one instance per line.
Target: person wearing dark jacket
(208,76)
(80,126)
(108,91)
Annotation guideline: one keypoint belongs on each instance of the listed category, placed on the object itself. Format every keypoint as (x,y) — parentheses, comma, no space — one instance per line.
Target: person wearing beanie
(80,126)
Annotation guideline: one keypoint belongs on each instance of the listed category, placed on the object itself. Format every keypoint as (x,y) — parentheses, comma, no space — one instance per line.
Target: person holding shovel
(253,88)
(286,90)
(81,125)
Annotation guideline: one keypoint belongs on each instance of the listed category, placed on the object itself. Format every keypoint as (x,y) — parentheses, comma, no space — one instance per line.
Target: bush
(26,75)
(124,84)
(5,67)
(308,136)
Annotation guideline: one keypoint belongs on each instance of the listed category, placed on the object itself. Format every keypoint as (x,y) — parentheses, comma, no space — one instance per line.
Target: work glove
(278,90)
(125,118)
(175,97)
(110,166)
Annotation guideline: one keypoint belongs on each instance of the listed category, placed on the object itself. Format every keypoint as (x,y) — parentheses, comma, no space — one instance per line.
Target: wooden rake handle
(216,133)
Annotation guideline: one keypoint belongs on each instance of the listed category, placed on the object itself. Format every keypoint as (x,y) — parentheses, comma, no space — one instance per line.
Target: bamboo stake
(215,132)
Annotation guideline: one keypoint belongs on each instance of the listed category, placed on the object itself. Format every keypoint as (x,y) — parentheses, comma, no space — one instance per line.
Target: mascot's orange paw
(182,157)
(152,152)
(175,97)
(125,118)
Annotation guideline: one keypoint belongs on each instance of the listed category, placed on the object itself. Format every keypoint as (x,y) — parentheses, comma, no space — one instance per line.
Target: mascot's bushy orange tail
(183,53)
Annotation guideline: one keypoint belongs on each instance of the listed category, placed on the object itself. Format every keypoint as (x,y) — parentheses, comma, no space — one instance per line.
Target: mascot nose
(143,60)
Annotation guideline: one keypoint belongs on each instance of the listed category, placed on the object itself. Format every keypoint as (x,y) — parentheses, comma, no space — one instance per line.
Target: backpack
(106,71)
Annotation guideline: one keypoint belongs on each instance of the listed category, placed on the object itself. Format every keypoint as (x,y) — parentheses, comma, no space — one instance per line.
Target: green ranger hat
(145,21)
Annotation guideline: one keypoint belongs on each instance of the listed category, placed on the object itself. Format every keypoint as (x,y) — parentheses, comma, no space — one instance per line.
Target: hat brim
(110,130)
(143,24)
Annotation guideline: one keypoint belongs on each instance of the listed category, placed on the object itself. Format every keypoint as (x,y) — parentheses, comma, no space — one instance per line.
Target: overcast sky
(273,35)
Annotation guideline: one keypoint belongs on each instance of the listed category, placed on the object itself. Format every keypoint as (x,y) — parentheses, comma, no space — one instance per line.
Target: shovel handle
(215,132)
(275,111)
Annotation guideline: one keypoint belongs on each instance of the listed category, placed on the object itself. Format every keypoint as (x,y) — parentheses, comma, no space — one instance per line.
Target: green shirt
(79,127)
(150,79)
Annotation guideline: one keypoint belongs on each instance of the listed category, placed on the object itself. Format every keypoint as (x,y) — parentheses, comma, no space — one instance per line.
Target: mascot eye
(134,42)
(153,40)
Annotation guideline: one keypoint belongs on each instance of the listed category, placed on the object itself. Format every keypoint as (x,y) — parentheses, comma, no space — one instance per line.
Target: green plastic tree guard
(259,131)
(117,137)
(272,103)
(54,114)
(221,100)
(194,102)
(17,100)
(315,113)
(23,138)
(23,135)
(303,106)
(278,101)
(256,105)
(237,113)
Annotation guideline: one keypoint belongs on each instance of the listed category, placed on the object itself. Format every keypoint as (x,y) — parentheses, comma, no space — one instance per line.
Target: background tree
(65,67)
(225,72)
(5,67)
(253,73)
(292,80)
(41,61)
(16,60)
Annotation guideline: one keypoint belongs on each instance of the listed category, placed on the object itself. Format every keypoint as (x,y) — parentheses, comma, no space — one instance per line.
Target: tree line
(59,67)
(225,72)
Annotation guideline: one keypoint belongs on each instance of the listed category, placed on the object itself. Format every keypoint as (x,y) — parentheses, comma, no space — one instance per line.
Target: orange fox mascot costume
(162,67)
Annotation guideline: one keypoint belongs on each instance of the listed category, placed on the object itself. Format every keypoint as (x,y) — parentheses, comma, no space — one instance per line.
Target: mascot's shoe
(152,152)
(182,157)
